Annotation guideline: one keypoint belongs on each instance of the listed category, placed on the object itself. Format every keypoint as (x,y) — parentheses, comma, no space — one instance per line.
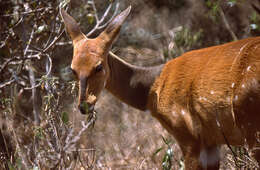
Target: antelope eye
(99,68)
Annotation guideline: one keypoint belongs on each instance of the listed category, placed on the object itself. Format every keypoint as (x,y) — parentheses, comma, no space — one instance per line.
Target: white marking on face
(98,63)
(91,98)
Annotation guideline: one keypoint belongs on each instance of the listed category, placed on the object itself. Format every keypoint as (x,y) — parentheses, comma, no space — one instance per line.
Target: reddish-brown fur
(201,97)
(207,94)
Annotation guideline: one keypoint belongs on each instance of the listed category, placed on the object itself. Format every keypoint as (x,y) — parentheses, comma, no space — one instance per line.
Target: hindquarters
(247,108)
(246,96)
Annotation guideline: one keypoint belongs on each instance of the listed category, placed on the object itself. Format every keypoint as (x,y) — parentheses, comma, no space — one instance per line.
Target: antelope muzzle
(86,108)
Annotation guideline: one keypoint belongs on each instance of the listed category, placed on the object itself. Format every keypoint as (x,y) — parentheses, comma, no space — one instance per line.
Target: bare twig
(53,42)
(70,142)
(21,153)
(99,22)
(29,41)
(227,24)
(48,73)
(36,109)
(17,58)
(7,83)
(28,12)
(7,62)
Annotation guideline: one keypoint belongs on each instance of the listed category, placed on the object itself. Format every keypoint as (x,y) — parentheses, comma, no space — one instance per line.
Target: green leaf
(90,18)
(157,151)
(85,107)
(164,140)
(65,118)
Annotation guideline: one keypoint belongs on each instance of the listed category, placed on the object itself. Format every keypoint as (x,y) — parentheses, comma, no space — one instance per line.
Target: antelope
(205,98)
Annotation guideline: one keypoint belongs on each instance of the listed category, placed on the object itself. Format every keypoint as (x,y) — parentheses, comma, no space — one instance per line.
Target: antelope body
(204,98)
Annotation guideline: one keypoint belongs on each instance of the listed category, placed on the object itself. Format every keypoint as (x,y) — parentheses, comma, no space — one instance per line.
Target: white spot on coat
(203,98)
(233,85)
(248,68)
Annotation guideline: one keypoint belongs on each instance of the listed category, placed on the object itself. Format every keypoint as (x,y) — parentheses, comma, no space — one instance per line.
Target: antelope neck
(130,83)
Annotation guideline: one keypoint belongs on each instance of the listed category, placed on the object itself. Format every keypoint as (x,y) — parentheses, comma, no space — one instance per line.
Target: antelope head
(89,62)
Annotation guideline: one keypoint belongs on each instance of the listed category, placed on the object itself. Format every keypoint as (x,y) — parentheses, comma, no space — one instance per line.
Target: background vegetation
(40,126)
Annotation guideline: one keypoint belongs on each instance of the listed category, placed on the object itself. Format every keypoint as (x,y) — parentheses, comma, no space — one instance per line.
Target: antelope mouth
(86,108)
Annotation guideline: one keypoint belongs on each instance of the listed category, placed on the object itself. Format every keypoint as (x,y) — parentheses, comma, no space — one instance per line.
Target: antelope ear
(109,35)
(71,26)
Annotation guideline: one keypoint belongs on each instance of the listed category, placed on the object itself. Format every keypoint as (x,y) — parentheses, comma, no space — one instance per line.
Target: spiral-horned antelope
(204,98)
